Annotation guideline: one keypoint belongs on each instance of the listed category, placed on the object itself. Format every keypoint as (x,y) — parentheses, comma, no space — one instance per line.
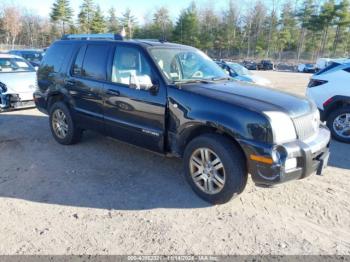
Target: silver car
(17,82)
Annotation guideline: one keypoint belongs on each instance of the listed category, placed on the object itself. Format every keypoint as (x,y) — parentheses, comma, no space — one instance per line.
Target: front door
(132,111)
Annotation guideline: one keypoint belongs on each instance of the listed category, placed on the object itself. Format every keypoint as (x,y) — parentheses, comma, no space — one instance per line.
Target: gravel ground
(105,197)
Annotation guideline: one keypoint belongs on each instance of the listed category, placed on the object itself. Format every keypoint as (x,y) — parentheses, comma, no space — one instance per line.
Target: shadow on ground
(98,172)
(340,155)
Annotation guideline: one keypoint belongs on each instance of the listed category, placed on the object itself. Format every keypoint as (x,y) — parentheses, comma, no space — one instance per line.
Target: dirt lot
(106,197)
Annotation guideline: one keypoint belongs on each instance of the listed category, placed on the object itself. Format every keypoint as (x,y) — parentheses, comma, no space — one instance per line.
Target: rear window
(56,56)
(94,64)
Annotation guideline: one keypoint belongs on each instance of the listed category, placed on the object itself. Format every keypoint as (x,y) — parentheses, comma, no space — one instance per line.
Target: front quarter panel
(189,111)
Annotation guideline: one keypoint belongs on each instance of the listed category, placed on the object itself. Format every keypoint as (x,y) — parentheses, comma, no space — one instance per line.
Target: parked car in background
(239,72)
(250,65)
(33,56)
(330,89)
(17,82)
(266,65)
(307,68)
(174,100)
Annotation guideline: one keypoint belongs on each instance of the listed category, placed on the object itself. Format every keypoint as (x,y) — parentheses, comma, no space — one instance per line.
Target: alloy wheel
(341,125)
(207,171)
(59,123)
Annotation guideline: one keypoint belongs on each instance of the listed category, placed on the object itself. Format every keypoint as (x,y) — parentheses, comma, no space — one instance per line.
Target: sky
(140,8)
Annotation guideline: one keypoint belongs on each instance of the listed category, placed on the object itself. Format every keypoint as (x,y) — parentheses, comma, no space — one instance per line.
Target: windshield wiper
(221,78)
(191,81)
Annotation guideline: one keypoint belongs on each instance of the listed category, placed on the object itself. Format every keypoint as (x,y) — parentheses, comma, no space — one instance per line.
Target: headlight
(282,127)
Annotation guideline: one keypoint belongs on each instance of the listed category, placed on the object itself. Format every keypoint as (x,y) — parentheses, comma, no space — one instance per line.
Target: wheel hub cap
(341,125)
(59,123)
(207,171)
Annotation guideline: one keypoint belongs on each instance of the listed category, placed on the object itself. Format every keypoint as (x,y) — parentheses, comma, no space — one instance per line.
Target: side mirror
(155,86)
(36,68)
(143,82)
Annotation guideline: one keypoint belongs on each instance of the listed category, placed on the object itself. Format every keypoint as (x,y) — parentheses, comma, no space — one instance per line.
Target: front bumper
(311,156)
(13,101)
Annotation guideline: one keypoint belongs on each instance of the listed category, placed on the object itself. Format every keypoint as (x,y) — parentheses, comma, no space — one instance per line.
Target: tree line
(283,29)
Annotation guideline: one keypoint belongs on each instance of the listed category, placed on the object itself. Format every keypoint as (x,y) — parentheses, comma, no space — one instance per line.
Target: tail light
(316,82)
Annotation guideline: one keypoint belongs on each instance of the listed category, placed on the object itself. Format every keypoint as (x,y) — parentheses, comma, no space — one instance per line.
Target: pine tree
(61,12)
(305,14)
(112,23)
(128,22)
(162,25)
(326,18)
(187,27)
(342,13)
(85,16)
(98,23)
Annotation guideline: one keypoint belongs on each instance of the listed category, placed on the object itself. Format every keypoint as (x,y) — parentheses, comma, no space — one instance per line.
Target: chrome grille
(306,126)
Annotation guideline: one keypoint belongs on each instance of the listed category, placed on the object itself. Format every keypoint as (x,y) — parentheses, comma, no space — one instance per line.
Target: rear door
(86,82)
(134,114)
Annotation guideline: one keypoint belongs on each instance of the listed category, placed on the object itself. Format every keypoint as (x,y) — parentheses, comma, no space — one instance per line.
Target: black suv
(266,65)
(174,100)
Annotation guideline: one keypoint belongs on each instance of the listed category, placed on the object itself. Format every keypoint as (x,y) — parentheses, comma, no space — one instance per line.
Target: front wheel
(215,168)
(339,124)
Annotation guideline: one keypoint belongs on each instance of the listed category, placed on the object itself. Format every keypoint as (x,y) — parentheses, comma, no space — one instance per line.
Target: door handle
(70,82)
(113,92)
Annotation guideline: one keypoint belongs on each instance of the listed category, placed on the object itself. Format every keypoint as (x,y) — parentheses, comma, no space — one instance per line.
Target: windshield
(14,65)
(182,65)
(240,70)
(32,56)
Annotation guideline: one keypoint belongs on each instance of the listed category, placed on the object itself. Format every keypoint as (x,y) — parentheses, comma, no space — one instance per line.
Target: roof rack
(92,36)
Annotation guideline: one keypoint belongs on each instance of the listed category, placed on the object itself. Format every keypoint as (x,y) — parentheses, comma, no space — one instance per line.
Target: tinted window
(56,55)
(94,65)
(77,66)
(347,69)
(130,67)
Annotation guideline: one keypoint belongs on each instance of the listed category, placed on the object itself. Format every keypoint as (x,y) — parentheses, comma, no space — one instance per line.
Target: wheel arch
(197,129)
(57,96)
(336,102)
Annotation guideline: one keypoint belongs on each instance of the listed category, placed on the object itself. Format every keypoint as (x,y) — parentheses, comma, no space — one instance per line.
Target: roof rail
(92,36)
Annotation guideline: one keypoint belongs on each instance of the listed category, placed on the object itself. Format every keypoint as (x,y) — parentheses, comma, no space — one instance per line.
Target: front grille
(306,126)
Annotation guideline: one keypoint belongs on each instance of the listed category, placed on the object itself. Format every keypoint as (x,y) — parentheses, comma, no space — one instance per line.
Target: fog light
(291,163)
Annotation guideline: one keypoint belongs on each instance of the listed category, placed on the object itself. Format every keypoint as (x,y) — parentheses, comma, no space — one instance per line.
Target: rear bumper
(310,156)
(40,102)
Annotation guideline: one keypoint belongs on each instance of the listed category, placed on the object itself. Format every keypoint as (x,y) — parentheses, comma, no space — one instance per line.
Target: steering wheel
(198,74)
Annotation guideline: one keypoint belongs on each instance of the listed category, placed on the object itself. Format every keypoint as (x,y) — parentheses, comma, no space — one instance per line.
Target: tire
(331,123)
(72,134)
(233,171)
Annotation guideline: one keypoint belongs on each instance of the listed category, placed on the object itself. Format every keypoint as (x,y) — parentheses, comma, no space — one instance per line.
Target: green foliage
(187,27)
(112,21)
(128,22)
(61,12)
(98,23)
(86,16)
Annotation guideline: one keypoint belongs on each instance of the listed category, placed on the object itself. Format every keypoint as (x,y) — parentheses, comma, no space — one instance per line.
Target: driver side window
(131,68)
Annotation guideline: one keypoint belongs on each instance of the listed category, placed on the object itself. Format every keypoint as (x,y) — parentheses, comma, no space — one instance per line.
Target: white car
(330,89)
(17,82)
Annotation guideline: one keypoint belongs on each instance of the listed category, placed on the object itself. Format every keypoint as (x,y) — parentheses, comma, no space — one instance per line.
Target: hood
(19,82)
(255,98)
